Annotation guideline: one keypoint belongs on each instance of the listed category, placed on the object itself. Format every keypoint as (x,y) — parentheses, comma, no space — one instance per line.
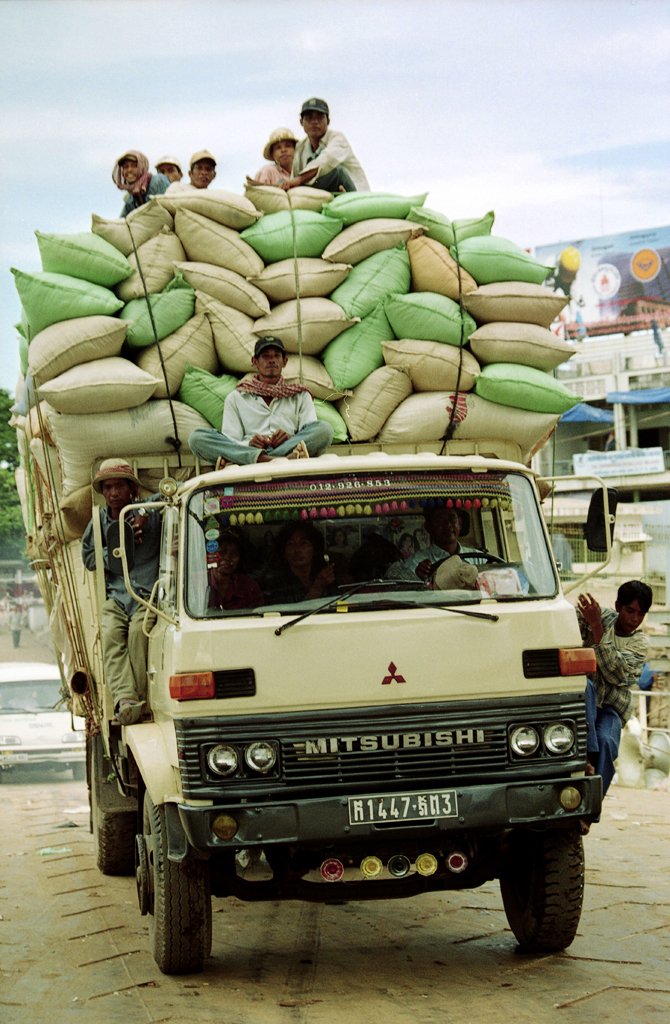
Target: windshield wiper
(385,585)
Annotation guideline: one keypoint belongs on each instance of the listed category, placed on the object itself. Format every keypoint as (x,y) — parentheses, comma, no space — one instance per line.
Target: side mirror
(114,547)
(597,522)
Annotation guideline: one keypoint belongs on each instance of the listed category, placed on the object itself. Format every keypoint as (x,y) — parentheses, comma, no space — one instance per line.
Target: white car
(36,727)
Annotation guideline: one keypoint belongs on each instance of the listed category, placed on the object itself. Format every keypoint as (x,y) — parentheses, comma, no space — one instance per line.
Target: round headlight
(524,740)
(261,756)
(558,737)
(222,759)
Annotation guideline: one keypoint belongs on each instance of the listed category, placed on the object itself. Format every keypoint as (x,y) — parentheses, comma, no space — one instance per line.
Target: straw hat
(278,135)
(114,469)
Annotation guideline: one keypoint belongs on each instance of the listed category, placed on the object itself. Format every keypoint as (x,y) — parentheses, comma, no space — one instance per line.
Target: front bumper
(18,757)
(319,821)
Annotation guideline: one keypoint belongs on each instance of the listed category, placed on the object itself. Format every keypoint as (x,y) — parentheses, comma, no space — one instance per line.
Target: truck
(390,738)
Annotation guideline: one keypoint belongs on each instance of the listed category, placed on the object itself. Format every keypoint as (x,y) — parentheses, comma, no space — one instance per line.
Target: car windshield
(378,539)
(41,695)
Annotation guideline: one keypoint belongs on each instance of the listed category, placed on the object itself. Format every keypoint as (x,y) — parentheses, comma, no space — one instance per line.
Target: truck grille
(352,752)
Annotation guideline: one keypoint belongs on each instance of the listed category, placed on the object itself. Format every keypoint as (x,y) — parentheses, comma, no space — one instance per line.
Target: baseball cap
(113,469)
(320,106)
(169,160)
(269,341)
(202,154)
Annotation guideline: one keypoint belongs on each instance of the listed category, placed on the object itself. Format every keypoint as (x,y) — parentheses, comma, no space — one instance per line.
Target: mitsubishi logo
(393,676)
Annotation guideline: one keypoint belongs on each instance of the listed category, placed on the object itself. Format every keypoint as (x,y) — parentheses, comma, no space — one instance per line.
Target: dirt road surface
(73,945)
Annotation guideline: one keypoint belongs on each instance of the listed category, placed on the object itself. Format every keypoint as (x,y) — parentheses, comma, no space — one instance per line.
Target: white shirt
(182,186)
(333,151)
(245,414)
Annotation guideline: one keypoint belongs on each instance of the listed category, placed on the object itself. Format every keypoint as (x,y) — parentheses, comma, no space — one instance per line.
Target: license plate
(11,756)
(375,810)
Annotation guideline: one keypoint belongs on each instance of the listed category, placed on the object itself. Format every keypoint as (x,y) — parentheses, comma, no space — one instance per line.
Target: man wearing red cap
(124,645)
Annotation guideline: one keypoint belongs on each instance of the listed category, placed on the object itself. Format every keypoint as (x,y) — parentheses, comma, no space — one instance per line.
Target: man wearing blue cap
(324,158)
(264,418)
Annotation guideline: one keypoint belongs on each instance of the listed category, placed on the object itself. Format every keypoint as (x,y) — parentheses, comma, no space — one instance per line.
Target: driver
(444,526)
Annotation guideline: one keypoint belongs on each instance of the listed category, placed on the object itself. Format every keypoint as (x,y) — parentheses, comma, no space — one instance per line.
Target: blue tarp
(583,413)
(648,396)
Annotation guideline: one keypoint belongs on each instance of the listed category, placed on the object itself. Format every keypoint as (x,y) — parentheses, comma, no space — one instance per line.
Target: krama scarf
(139,188)
(255,386)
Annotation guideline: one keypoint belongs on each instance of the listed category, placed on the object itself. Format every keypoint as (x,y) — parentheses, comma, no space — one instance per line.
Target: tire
(113,832)
(180,911)
(543,888)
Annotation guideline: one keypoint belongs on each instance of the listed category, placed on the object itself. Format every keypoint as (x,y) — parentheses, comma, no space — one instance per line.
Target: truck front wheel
(542,889)
(179,904)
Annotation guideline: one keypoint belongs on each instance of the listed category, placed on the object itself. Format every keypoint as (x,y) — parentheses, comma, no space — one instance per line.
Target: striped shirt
(619,659)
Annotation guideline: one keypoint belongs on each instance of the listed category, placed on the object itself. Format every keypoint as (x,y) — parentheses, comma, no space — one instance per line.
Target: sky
(552,113)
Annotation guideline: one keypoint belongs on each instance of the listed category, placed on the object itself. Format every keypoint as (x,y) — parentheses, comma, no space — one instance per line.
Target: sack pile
(399,321)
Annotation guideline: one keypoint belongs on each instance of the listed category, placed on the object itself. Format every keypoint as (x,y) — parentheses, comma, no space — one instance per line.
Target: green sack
(523,387)
(327,413)
(84,255)
(206,393)
(427,316)
(372,280)
(448,232)
(272,237)
(494,259)
(350,207)
(171,308)
(49,298)
(355,353)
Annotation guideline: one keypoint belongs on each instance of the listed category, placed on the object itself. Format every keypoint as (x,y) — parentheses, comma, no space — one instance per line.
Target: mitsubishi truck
(392,737)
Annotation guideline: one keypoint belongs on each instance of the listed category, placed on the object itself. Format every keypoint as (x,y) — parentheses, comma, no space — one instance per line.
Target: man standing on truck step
(124,645)
(621,651)
(324,159)
(264,418)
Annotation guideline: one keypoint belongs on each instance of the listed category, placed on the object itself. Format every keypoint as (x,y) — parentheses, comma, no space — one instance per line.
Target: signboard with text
(632,462)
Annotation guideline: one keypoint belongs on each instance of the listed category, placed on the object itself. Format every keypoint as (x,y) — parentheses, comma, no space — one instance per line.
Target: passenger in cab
(279,150)
(201,173)
(131,175)
(300,569)
(124,643)
(232,589)
(324,158)
(170,167)
(264,418)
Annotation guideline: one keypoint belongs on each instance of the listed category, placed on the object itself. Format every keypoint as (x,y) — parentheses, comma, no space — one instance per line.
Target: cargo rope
(455,404)
(175,441)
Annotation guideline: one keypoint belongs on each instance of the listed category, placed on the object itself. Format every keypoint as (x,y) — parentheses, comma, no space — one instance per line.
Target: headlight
(222,760)
(261,756)
(73,737)
(524,740)
(558,737)
(7,740)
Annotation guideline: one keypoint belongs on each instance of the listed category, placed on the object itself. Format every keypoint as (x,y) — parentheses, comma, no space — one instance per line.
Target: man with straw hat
(124,645)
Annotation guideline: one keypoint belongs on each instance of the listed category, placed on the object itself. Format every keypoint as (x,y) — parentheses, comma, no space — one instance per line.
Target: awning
(584,413)
(648,396)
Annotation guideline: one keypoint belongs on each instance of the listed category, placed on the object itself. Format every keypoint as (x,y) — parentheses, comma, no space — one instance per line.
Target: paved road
(72,942)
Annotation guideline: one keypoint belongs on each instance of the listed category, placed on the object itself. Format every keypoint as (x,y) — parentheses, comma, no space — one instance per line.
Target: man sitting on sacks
(324,159)
(201,171)
(279,149)
(124,645)
(264,418)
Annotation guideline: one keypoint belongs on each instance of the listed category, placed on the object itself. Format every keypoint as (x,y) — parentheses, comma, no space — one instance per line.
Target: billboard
(616,283)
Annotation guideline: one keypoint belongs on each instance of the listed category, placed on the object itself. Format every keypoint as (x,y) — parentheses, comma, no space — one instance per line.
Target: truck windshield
(428,537)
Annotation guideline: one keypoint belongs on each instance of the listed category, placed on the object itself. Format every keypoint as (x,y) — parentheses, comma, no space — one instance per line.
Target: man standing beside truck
(621,651)
(124,644)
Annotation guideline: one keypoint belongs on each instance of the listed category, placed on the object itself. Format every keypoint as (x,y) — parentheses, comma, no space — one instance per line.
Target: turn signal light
(570,798)
(192,686)
(457,863)
(224,826)
(426,864)
(577,661)
(371,867)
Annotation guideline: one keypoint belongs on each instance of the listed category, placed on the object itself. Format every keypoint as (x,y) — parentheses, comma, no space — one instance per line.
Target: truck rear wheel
(113,831)
(543,888)
(180,902)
